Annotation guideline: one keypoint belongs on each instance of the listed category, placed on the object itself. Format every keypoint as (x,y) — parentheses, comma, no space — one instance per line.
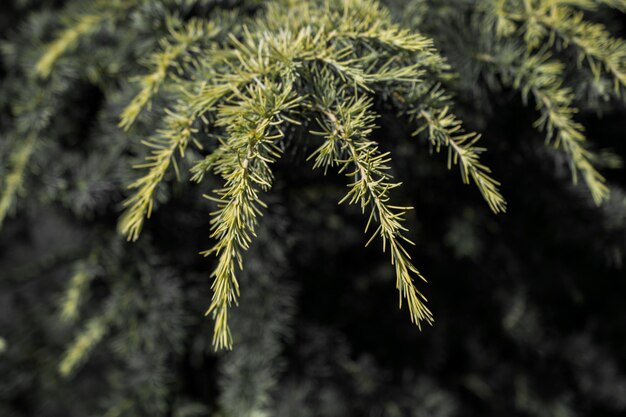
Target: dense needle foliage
(118,117)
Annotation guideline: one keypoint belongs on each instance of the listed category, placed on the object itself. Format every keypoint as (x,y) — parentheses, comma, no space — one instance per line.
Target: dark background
(529,305)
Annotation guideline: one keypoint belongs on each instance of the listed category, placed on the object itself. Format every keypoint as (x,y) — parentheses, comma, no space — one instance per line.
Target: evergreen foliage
(149,115)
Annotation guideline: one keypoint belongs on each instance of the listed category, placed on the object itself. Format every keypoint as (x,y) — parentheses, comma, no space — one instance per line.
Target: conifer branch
(445,130)
(67,39)
(241,89)
(92,334)
(202,167)
(302,51)
(180,41)
(373,27)
(616,4)
(542,77)
(85,24)
(96,328)
(346,129)
(427,102)
(252,127)
(75,291)
(593,41)
(14,180)
(592,5)
(173,138)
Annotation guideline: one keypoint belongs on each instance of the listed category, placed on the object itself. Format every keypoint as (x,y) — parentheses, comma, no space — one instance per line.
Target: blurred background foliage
(528,305)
